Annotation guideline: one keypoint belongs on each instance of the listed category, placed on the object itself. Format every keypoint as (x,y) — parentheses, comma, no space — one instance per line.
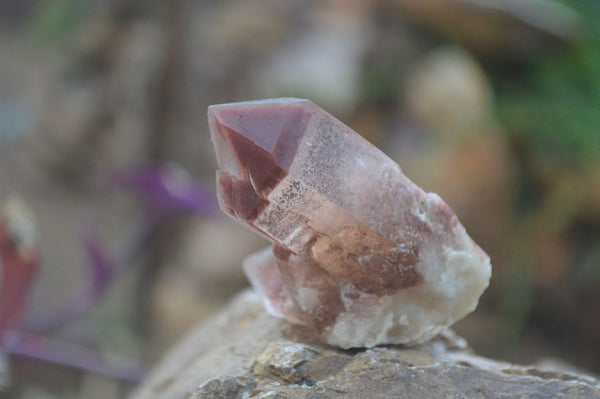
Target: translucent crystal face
(255,150)
(360,253)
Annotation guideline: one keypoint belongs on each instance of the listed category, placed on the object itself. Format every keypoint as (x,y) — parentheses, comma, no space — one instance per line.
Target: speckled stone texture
(244,352)
(360,254)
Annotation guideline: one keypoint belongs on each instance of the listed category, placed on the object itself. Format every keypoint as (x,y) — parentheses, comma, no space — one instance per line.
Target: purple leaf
(165,189)
(101,266)
(102,270)
(34,346)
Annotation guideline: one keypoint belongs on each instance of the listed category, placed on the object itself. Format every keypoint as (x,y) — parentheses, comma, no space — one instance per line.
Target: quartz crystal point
(360,254)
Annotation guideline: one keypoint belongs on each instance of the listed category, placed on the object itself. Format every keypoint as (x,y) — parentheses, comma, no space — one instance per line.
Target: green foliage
(54,20)
(379,84)
(517,302)
(556,108)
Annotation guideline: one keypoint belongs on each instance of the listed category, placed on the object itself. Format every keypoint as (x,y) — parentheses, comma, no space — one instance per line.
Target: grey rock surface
(243,352)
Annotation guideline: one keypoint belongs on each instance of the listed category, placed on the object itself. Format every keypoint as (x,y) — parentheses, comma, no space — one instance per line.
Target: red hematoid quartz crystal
(360,254)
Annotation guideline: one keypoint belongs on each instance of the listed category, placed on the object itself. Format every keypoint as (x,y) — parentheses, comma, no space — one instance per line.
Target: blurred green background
(494,105)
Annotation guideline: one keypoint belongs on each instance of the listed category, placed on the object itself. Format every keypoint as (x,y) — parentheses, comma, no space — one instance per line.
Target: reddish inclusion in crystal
(256,144)
(259,143)
(360,253)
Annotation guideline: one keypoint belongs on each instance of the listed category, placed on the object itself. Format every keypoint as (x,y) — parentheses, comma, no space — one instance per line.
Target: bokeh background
(107,169)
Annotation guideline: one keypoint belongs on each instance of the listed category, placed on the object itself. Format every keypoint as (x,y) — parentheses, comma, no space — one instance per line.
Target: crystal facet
(360,253)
